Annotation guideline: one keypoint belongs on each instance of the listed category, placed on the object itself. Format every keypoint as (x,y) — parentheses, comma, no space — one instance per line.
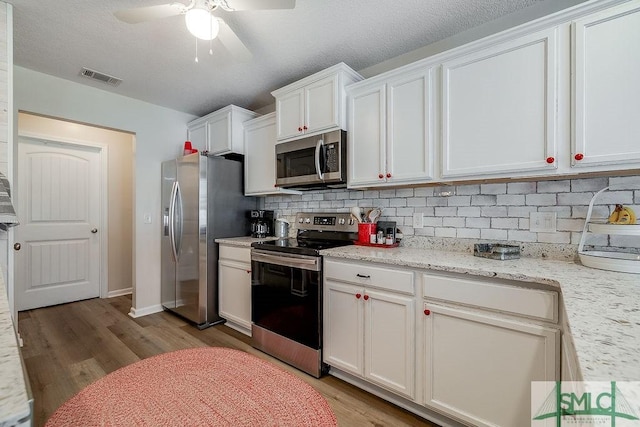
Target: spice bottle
(389,239)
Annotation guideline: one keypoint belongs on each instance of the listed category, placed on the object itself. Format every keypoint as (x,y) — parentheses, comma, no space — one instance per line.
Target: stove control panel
(326,221)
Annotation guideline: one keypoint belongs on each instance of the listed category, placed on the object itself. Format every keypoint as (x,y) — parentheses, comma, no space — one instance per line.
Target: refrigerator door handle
(172,222)
(165,222)
(177,234)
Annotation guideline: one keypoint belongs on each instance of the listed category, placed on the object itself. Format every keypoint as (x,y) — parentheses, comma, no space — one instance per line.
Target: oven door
(286,295)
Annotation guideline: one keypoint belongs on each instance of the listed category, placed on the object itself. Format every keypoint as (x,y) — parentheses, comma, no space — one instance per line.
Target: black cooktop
(300,246)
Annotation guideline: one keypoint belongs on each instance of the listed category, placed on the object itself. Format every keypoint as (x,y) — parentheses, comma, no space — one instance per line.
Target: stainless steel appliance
(202,200)
(313,162)
(286,289)
(262,223)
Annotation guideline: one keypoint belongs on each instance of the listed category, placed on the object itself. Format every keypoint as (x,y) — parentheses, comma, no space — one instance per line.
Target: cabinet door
(260,158)
(290,114)
(367,136)
(219,133)
(198,136)
(607,87)
(499,108)
(479,368)
(234,292)
(322,105)
(343,327)
(410,128)
(389,337)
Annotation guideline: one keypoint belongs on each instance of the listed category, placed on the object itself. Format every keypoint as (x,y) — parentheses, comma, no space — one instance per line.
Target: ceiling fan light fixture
(202,24)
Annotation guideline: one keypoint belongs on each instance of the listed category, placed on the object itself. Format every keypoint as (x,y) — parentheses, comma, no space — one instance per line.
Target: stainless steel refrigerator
(202,200)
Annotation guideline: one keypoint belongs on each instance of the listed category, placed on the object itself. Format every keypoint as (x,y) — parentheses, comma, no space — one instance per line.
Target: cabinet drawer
(235,253)
(366,275)
(535,303)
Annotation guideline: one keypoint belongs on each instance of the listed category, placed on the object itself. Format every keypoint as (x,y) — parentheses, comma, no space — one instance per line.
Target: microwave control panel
(332,157)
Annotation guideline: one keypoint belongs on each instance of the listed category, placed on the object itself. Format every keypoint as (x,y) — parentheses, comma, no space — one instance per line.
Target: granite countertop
(14,401)
(243,241)
(602,307)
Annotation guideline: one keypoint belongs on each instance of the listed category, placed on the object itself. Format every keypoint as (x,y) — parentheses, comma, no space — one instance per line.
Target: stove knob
(341,221)
(307,220)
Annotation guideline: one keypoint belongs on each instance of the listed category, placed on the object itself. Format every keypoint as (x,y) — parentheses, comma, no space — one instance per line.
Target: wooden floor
(67,347)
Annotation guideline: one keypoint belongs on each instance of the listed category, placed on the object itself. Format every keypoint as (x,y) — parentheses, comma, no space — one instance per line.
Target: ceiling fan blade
(232,43)
(150,13)
(260,4)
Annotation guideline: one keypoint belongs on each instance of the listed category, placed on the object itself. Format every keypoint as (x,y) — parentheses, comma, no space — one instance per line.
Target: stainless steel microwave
(313,162)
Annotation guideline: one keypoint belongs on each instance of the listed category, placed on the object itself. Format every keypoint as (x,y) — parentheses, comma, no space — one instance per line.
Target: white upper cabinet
(222,130)
(314,104)
(391,129)
(499,108)
(260,157)
(606,92)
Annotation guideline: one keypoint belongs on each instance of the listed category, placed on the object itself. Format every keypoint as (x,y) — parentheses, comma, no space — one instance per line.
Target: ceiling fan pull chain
(196,49)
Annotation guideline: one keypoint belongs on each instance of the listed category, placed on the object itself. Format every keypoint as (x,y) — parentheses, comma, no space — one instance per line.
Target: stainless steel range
(286,289)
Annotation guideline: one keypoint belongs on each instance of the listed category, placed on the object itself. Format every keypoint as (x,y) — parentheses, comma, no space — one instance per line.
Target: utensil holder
(366,229)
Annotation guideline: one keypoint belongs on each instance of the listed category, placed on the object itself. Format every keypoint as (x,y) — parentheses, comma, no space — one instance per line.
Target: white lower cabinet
(234,287)
(369,324)
(479,364)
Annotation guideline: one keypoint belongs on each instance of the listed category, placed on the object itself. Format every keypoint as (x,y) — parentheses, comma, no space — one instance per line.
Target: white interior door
(59,212)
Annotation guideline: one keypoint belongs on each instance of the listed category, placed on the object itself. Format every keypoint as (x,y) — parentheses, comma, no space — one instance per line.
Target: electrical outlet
(542,222)
(418,220)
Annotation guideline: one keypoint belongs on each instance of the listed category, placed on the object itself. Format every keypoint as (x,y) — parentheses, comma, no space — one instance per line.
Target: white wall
(160,134)
(119,187)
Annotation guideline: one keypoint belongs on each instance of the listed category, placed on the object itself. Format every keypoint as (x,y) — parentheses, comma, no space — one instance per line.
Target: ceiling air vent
(101,77)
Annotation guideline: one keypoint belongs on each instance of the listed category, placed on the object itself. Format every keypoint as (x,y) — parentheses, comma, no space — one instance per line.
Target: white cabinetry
(369,324)
(313,104)
(260,157)
(220,132)
(391,129)
(234,287)
(483,345)
(606,91)
(499,108)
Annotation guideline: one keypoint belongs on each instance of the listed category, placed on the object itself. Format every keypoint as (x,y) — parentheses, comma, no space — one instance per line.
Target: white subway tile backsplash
(494,211)
(540,199)
(493,234)
(554,186)
(510,199)
(493,189)
(521,187)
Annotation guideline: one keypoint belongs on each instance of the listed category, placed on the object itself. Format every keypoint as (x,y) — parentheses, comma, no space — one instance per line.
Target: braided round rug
(210,386)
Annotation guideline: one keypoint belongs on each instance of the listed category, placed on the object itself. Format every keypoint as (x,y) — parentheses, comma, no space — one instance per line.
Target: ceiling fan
(201,21)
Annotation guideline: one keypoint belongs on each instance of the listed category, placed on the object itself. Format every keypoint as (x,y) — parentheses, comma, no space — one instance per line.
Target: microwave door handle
(318,152)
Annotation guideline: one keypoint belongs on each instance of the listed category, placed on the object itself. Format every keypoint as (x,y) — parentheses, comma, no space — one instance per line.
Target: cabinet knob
(358,296)
(427,312)
(579,156)
(380,176)
(299,129)
(304,127)
(550,160)
(388,175)
(366,297)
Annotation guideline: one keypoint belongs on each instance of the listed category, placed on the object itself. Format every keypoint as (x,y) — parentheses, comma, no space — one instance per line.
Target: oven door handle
(304,263)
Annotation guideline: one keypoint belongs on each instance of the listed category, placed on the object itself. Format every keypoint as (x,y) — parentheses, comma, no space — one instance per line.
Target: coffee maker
(262,223)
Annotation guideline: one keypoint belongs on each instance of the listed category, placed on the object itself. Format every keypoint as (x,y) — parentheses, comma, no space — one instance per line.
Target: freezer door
(187,231)
(168,265)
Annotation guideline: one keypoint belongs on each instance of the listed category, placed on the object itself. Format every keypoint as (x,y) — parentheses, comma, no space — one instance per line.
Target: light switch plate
(418,220)
(542,222)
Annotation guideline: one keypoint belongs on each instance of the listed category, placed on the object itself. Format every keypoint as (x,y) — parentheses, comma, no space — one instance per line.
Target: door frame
(103,222)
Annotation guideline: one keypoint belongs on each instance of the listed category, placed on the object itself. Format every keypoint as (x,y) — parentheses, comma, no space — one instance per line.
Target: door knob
(94,230)
(17,246)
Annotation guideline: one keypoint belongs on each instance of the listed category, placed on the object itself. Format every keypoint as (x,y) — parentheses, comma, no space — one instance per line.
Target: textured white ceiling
(156,59)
